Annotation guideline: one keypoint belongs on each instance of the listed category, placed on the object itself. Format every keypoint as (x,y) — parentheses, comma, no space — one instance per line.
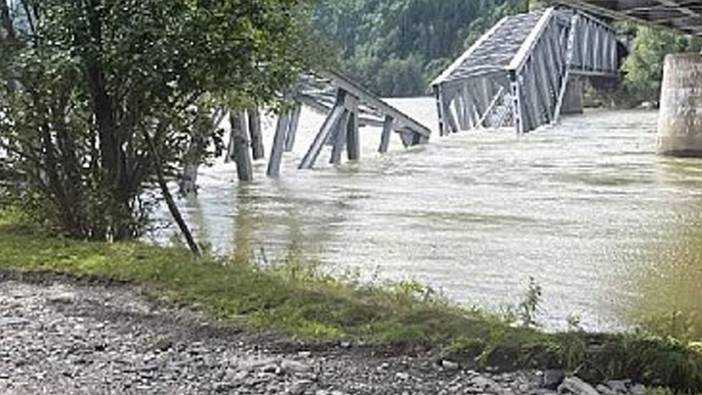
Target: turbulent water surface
(586,208)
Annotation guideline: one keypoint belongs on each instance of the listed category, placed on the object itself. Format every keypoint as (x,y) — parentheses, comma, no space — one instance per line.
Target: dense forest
(396,47)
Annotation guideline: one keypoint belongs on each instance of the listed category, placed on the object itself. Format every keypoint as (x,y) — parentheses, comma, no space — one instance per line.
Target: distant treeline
(396,47)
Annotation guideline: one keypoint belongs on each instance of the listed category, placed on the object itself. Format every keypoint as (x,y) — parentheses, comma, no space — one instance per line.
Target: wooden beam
(339,140)
(574,22)
(387,132)
(493,103)
(371,100)
(278,147)
(294,125)
(323,109)
(353,137)
(329,124)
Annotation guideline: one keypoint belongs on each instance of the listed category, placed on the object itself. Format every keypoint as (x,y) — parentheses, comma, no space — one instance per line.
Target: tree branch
(172,207)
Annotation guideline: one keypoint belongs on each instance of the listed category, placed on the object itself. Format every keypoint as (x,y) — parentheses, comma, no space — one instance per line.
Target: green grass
(297,301)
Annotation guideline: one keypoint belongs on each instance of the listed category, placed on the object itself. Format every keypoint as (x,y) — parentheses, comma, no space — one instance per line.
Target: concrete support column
(680,119)
(573,99)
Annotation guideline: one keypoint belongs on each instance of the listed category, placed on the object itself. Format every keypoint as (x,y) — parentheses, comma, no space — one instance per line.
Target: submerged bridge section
(525,71)
(347,107)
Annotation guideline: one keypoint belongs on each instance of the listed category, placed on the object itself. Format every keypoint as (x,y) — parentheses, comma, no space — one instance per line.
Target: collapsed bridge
(523,73)
(526,71)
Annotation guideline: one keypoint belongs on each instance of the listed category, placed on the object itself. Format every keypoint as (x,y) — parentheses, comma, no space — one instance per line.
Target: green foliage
(529,307)
(678,325)
(82,84)
(644,66)
(396,47)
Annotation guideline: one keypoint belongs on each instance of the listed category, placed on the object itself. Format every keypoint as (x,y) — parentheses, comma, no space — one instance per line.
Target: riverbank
(70,336)
(321,312)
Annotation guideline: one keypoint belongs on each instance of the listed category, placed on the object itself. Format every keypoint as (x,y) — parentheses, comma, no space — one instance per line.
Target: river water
(586,208)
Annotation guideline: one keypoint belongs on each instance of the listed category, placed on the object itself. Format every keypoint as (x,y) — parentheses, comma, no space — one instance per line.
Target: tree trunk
(172,207)
(6,22)
(255,133)
(240,146)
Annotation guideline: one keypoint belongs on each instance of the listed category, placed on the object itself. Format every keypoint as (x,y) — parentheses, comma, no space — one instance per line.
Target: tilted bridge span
(526,71)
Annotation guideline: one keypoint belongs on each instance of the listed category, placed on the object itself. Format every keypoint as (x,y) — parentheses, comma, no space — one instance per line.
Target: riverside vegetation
(296,299)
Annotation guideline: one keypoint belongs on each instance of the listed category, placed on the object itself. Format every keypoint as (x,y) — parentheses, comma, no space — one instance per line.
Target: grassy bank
(301,303)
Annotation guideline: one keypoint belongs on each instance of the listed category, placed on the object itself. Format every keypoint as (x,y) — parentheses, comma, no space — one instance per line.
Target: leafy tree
(644,66)
(87,85)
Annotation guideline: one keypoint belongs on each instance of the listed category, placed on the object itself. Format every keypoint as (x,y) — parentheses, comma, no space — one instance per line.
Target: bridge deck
(495,50)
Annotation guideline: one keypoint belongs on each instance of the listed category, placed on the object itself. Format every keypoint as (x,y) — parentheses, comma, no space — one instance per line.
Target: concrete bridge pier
(573,98)
(680,119)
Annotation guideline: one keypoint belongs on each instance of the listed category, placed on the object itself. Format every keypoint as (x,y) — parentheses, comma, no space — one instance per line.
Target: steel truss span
(517,74)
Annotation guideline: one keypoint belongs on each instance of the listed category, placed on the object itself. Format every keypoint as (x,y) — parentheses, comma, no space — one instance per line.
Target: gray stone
(61,297)
(291,366)
(485,384)
(576,386)
(449,365)
(300,387)
(638,389)
(552,378)
(619,386)
(542,391)
(13,321)
(604,390)
(402,376)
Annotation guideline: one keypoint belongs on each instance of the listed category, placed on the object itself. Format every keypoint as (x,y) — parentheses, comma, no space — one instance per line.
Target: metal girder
(347,106)
(683,15)
(531,57)
(375,103)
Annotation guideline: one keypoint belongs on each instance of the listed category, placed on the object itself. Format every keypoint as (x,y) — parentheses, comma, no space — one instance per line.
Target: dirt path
(63,336)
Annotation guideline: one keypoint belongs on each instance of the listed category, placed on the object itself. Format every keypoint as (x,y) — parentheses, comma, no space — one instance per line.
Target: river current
(586,208)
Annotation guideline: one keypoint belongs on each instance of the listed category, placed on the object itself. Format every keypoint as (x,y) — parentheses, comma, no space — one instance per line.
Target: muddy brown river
(586,208)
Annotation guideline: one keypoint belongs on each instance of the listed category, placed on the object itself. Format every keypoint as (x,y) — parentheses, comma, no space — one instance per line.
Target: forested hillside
(395,47)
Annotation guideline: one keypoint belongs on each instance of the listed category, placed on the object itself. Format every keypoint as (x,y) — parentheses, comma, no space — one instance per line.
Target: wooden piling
(387,132)
(281,131)
(257,148)
(293,126)
(191,166)
(339,140)
(240,153)
(353,138)
(329,124)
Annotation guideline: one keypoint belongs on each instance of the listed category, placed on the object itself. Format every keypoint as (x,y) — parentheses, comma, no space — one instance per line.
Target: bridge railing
(565,43)
(539,71)
(523,66)
(595,53)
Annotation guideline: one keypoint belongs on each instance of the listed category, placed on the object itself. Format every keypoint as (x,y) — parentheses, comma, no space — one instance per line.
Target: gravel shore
(66,336)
